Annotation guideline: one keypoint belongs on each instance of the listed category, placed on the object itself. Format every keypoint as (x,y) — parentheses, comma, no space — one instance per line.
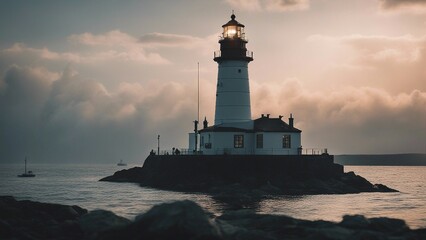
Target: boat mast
(25,164)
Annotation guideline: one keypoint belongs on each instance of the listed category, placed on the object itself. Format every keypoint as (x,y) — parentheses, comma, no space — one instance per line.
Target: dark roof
(266,124)
(233,22)
(263,124)
(219,128)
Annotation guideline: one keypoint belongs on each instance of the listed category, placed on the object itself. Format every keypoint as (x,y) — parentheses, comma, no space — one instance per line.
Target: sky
(97,81)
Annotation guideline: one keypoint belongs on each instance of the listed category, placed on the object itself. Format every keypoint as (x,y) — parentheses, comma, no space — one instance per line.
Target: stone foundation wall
(252,170)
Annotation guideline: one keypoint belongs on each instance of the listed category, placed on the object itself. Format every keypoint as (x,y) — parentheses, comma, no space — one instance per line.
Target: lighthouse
(233,90)
(234,131)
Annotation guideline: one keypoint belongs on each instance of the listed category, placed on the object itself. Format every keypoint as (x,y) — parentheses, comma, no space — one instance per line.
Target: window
(238,141)
(202,141)
(239,70)
(286,141)
(259,141)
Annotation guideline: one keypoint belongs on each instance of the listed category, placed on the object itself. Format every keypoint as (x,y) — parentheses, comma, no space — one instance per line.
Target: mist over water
(77,184)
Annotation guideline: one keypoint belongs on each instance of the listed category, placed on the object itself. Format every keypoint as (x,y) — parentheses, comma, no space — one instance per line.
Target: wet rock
(35,220)
(184,220)
(355,222)
(126,175)
(101,220)
(390,225)
(243,185)
(177,220)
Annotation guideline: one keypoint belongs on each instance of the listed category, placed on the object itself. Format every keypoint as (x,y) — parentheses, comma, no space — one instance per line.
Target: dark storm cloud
(73,119)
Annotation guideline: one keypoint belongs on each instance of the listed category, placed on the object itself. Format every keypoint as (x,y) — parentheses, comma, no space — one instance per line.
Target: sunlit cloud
(43,53)
(270,5)
(112,38)
(392,63)
(169,40)
(21,52)
(116,45)
(336,118)
(403,49)
(394,6)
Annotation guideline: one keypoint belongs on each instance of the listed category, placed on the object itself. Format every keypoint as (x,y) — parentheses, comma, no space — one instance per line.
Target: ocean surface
(77,184)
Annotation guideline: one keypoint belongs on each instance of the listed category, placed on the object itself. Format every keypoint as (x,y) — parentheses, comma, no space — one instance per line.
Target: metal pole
(198,92)
(158,145)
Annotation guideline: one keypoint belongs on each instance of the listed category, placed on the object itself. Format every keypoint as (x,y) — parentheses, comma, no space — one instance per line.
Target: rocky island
(183,220)
(241,178)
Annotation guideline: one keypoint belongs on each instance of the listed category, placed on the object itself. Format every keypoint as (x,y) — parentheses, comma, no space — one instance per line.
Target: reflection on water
(79,185)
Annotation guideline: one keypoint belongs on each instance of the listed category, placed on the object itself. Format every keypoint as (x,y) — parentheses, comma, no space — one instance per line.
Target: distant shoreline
(405,159)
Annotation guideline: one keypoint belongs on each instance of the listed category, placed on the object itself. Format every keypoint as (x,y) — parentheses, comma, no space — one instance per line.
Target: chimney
(291,121)
(205,123)
(267,115)
(280,117)
(263,115)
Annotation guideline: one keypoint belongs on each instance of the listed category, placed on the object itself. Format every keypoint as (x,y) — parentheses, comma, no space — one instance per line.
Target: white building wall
(233,92)
(223,143)
(273,144)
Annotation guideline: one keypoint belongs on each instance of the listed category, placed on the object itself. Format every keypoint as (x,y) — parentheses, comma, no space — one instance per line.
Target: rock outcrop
(184,220)
(35,220)
(254,182)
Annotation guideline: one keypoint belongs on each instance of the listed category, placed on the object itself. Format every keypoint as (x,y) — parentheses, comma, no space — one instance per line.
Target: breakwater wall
(162,170)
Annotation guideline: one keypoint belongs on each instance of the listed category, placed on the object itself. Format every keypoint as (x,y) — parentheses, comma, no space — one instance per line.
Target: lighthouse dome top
(233,22)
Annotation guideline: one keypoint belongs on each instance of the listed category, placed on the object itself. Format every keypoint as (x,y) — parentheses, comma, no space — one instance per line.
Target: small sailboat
(121,163)
(27,173)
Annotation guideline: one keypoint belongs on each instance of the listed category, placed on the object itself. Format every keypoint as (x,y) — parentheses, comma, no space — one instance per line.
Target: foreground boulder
(177,220)
(35,220)
(184,220)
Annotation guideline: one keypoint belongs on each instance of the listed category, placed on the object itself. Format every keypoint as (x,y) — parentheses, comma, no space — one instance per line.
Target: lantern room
(233,29)
(233,43)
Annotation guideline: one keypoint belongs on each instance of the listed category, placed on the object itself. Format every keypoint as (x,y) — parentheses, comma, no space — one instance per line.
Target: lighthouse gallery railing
(218,53)
(264,151)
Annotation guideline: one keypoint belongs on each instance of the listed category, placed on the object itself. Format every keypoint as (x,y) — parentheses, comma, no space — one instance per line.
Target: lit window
(259,141)
(286,141)
(238,141)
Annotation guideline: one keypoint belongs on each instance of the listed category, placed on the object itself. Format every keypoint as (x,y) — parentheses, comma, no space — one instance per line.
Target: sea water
(77,184)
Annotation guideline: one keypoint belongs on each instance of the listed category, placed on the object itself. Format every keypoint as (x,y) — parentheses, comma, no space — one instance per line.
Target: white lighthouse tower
(233,91)
(234,131)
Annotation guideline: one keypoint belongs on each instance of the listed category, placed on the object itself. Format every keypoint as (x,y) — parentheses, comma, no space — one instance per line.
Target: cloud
(393,63)
(415,6)
(170,40)
(248,5)
(203,45)
(116,45)
(21,53)
(73,116)
(41,53)
(56,117)
(396,49)
(110,39)
(402,49)
(270,5)
(352,118)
